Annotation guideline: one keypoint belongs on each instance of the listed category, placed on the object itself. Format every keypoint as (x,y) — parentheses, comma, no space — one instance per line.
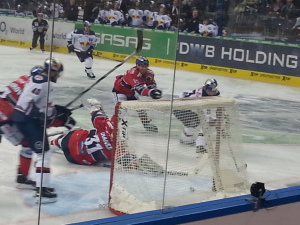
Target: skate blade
(25,187)
(45,200)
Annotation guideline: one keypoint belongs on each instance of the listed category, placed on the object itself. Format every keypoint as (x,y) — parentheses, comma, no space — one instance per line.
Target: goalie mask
(210,85)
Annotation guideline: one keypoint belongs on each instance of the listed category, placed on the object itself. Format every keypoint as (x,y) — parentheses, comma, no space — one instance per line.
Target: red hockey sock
(55,142)
(24,165)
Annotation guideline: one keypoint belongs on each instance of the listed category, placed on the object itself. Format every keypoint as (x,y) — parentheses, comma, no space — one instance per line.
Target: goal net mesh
(154,169)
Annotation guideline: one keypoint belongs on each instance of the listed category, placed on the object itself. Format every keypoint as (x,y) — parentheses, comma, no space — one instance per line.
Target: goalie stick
(137,50)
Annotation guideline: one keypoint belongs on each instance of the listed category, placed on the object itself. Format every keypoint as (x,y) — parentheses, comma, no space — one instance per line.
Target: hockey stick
(137,50)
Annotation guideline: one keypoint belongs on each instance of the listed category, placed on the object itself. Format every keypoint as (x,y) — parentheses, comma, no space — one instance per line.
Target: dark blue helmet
(56,65)
(36,70)
(142,61)
(211,85)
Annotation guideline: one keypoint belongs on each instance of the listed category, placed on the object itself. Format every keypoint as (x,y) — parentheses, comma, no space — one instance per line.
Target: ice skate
(90,75)
(43,50)
(23,182)
(46,196)
(31,48)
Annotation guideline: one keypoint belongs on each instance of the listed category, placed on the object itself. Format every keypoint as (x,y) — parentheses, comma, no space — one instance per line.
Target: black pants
(36,36)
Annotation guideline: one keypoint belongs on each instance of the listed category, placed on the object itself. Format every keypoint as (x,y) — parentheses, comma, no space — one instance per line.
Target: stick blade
(140,41)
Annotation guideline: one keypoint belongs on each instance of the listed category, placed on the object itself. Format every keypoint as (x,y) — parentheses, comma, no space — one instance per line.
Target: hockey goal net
(152,169)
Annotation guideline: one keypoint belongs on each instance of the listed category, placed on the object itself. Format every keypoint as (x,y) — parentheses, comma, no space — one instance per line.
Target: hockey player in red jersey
(192,133)
(87,147)
(138,79)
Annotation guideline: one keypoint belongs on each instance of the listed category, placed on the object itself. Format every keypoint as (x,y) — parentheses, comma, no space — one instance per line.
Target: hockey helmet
(36,70)
(211,85)
(54,64)
(86,24)
(142,61)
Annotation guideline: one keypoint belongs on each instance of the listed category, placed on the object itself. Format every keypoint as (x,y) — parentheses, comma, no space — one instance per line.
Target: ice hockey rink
(269,115)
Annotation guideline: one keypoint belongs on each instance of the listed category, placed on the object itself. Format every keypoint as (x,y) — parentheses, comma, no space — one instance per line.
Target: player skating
(87,147)
(33,106)
(138,79)
(83,42)
(192,134)
(8,100)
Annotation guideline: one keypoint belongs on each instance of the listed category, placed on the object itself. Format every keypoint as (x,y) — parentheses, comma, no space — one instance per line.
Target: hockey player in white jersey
(192,134)
(33,107)
(149,15)
(135,15)
(83,42)
(161,20)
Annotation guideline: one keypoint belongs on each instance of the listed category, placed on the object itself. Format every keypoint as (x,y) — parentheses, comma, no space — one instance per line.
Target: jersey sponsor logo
(106,141)
(16,88)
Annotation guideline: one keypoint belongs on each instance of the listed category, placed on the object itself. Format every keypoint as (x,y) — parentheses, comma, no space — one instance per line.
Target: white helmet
(211,85)
(54,64)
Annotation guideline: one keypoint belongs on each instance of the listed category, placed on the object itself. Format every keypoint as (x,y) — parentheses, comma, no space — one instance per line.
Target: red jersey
(133,81)
(10,96)
(89,147)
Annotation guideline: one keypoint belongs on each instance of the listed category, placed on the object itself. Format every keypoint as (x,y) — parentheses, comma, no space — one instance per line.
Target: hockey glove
(155,93)
(62,111)
(71,48)
(89,52)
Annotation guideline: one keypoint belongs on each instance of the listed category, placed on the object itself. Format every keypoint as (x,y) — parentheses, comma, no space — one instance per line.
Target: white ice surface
(82,188)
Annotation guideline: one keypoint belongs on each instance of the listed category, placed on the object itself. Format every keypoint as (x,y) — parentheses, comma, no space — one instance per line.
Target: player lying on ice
(87,147)
(192,132)
(10,97)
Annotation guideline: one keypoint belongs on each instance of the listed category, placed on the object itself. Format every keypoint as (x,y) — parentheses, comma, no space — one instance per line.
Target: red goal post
(154,170)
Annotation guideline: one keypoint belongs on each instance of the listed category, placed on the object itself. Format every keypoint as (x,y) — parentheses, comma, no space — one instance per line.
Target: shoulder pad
(92,32)
(39,79)
(80,31)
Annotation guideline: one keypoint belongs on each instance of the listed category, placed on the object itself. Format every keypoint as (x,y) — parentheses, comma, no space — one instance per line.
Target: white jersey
(33,100)
(149,17)
(136,16)
(198,92)
(81,40)
(57,10)
(163,20)
(119,15)
(208,30)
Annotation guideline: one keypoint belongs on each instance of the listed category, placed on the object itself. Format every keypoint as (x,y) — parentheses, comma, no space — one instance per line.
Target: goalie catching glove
(155,93)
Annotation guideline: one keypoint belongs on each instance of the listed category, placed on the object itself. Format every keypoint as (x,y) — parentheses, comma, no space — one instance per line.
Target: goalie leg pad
(148,166)
(188,136)
(187,117)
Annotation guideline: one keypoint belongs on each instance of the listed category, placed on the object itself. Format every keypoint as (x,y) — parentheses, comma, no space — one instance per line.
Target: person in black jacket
(192,25)
(39,27)
(71,11)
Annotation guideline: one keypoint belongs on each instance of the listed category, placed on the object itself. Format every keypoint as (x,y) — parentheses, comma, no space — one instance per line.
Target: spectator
(71,11)
(186,10)
(19,11)
(288,11)
(192,25)
(276,8)
(56,10)
(174,14)
(149,15)
(207,28)
(162,21)
(135,15)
